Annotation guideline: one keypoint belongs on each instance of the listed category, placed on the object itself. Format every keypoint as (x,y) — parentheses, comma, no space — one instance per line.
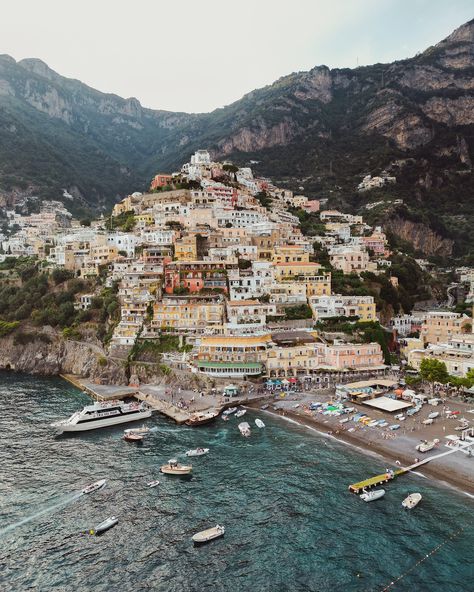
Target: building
(343,306)
(161,180)
(188,314)
(248,284)
(195,276)
(296,271)
(457,354)
(290,254)
(248,316)
(350,259)
(440,327)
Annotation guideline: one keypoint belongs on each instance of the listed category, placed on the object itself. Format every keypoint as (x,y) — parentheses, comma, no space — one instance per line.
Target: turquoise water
(281,494)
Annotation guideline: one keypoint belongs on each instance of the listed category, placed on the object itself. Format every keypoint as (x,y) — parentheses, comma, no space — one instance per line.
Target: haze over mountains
(322,130)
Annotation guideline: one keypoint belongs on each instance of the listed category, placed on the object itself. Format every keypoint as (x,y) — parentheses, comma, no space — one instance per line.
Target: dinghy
(259,423)
(370,496)
(208,535)
(94,487)
(411,501)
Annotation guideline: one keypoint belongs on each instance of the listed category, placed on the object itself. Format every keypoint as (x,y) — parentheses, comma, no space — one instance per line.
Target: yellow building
(185,248)
(319,285)
(123,206)
(290,254)
(296,271)
(187,314)
(147,219)
(439,327)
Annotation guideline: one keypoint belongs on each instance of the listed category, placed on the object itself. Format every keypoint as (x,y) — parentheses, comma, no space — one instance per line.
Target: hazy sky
(202,54)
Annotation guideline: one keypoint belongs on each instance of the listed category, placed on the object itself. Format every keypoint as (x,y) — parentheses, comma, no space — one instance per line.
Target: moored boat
(229,411)
(263,407)
(94,487)
(103,414)
(425,446)
(259,423)
(428,421)
(197,452)
(173,467)
(244,429)
(241,412)
(201,418)
(433,415)
(208,535)
(411,501)
(103,526)
(132,437)
(370,496)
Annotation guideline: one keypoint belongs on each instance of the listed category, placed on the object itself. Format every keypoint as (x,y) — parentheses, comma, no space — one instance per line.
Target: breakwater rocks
(51,354)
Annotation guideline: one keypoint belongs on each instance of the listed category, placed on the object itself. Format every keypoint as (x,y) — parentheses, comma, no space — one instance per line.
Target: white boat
(425,446)
(93,487)
(428,421)
(259,423)
(411,501)
(174,468)
(244,429)
(197,452)
(208,535)
(103,526)
(153,483)
(143,431)
(370,496)
(103,414)
(229,411)
(433,415)
(241,412)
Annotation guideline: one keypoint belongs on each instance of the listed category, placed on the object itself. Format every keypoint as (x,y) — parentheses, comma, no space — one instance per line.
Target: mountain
(322,130)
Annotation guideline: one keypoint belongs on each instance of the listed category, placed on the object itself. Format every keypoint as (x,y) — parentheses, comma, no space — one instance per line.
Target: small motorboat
(244,429)
(425,446)
(208,535)
(259,423)
(229,411)
(202,418)
(394,427)
(93,487)
(433,415)
(153,483)
(411,501)
(370,496)
(143,431)
(103,526)
(197,452)
(173,467)
(241,412)
(263,407)
(132,437)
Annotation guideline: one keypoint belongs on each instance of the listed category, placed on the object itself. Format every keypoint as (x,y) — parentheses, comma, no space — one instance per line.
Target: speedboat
(425,446)
(259,423)
(411,501)
(103,526)
(244,429)
(132,437)
(208,535)
(173,467)
(241,412)
(370,496)
(153,483)
(197,452)
(103,414)
(94,487)
(229,411)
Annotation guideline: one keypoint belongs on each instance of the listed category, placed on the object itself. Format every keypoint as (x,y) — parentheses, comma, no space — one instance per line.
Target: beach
(397,447)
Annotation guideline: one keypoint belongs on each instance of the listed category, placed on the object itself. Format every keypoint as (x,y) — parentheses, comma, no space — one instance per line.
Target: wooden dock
(385,478)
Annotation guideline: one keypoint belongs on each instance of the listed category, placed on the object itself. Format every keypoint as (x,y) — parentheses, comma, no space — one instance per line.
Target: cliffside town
(216,273)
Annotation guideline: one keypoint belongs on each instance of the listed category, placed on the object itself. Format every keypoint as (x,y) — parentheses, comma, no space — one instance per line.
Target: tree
(434,371)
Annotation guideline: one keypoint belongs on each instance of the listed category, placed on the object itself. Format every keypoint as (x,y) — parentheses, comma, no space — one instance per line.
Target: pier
(385,477)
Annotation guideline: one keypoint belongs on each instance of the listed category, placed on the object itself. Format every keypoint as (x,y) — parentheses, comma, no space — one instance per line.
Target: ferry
(103,414)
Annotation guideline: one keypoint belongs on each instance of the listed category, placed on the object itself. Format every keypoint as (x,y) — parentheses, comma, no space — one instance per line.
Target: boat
(244,429)
(394,427)
(370,496)
(411,501)
(153,483)
(197,452)
(428,421)
(94,487)
(263,407)
(259,423)
(132,437)
(344,420)
(202,417)
(103,414)
(208,535)
(103,526)
(143,431)
(425,446)
(241,412)
(173,467)
(433,415)
(229,411)
(225,417)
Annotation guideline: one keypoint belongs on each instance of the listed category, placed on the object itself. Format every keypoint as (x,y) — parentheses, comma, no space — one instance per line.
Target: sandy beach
(456,470)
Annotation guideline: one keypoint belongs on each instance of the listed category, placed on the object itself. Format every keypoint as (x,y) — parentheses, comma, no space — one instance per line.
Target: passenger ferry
(103,414)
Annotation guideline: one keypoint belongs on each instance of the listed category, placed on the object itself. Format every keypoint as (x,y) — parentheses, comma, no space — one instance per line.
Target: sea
(282,495)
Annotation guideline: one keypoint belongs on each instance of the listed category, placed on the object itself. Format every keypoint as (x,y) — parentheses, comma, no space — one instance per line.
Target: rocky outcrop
(60,356)
(452,112)
(423,238)
(258,137)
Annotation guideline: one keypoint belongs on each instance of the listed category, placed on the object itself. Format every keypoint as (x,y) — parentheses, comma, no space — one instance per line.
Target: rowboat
(370,496)
(197,452)
(259,423)
(411,501)
(208,535)
(174,468)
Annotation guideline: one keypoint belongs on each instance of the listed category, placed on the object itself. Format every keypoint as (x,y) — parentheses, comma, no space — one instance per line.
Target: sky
(198,55)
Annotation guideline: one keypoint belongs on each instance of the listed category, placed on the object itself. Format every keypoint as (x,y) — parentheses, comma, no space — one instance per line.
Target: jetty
(386,477)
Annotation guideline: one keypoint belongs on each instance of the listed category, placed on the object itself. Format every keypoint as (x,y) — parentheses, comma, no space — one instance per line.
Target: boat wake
(61,502)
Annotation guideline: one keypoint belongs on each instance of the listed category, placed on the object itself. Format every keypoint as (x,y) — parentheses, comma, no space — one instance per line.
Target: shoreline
(449,477)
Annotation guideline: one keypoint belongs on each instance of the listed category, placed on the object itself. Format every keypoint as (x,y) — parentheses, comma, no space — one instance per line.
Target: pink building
(311,206)
(353,355)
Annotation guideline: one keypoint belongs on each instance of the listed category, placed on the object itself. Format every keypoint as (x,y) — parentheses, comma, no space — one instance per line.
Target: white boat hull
(102,423)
